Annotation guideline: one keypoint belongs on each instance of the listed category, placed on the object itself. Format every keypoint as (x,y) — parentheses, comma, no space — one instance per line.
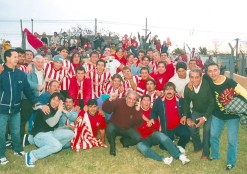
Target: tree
(203,50)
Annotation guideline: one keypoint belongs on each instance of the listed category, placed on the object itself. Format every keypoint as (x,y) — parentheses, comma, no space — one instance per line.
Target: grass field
(129,160)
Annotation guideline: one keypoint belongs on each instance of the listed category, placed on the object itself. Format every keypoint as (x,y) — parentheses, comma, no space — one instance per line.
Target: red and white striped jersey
(109,89)
(140,84)
(89,67)
(70,72)
(154,66)
(52,74)
(23,68)
(127,85)
(99,82)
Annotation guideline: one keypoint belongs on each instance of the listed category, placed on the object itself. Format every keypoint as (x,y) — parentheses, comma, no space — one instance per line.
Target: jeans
(14,122)
(232,134)
(183,132)
(195,134)
(154,139)
(51,142)
(112,131)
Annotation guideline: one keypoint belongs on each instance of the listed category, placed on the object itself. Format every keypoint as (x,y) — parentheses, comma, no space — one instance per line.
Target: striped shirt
(89,67)
(127,85)
(23,68)
(109,89)
(98,82)
(70,72)
(52,74)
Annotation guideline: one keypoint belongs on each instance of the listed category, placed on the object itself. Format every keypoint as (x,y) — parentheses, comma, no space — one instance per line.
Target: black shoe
(229,167)
(25,141)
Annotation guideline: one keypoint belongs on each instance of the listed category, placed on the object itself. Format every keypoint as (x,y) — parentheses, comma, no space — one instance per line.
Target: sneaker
(181,149)
(8,144)
(25,141)
(3,161)
(229,167)
(184,159)
(28,160)
(212,159)
(168,160)
(22,153)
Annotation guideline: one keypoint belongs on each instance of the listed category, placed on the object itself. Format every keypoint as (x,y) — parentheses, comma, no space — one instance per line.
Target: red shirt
(134,43)
(172,113)
(162,79)
(97,121)
(144,130)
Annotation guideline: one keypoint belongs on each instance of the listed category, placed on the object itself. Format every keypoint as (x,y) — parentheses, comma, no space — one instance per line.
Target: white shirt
(180,83)
(196,90)
(112,65)
(40,76)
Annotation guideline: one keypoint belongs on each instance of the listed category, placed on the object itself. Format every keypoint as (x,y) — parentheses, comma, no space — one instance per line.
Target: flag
(32,42)
(84,138)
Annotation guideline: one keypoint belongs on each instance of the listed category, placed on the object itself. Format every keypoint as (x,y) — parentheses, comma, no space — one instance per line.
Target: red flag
(32,42)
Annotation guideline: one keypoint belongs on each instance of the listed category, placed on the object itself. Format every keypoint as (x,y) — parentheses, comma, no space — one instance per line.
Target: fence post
(231,61)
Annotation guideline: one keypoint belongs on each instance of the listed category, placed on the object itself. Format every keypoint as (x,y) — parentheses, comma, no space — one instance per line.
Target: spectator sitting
(49,139)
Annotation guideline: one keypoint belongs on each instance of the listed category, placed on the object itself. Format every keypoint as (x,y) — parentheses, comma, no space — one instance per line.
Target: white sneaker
(184,159)
(22,153)
(3,161)
(168,160)
(181,149)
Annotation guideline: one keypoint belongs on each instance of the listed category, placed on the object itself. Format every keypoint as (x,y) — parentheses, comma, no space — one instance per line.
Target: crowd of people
(74,94)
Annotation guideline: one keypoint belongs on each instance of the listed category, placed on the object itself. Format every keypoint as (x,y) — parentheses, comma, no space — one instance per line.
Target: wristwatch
(204,118)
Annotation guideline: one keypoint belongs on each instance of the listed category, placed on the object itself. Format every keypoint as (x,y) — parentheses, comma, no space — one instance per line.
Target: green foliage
(177,51)
(203,50)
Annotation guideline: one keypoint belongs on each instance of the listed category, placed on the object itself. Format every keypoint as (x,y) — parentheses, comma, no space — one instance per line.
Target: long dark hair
(56,94)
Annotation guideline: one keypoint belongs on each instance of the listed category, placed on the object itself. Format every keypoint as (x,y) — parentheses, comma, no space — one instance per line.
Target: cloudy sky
(194,22)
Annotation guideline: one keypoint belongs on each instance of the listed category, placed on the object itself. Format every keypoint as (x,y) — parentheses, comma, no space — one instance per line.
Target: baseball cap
(58,58)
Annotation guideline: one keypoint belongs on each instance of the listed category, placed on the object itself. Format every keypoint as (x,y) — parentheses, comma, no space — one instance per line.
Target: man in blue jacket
(12,83)
(172,121)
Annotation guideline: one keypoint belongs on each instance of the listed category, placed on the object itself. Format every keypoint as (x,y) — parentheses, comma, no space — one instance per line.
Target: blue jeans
(14,122)
(232,134)
(195,134)
(154,139)
(51,142)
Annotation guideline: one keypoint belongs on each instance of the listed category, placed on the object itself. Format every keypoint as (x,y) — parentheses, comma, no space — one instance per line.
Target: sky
(197,23)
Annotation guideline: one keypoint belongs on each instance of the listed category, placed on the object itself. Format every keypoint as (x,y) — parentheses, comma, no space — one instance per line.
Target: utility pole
(146,28)
(95,27)
(32,25)
(237,55)
(22,35)
(231,61)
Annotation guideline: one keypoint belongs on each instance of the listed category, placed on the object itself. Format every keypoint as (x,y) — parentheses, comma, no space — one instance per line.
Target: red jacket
(162,79)
(74,88)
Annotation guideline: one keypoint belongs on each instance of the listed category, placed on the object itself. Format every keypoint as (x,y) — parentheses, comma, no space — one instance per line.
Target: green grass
(98,160)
